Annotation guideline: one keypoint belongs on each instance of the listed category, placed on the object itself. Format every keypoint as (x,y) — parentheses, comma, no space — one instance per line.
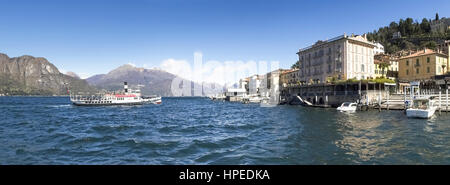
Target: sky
(92,37)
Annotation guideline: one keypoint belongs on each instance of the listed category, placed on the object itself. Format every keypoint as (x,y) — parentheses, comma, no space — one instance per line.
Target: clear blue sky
(95,37)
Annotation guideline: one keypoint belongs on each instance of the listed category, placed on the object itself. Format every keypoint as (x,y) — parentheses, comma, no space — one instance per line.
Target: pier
(333,95)
(381,96)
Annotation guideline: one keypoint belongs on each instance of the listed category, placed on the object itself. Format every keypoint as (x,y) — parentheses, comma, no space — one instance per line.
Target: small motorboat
(153,100)
(348,107)
(421,108)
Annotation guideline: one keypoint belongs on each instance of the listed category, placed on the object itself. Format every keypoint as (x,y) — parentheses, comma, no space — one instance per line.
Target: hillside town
(351,68)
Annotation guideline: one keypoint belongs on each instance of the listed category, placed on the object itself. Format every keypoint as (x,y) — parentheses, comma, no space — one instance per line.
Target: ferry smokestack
(125,87)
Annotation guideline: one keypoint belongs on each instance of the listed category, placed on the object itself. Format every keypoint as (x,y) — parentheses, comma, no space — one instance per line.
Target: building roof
(423,52)
(289,71)
(358,38)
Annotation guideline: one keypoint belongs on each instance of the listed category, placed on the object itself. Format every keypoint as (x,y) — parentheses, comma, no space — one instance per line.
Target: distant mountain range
(27,75)
(152,81)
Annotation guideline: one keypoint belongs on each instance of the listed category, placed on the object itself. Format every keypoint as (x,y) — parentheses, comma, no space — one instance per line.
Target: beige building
(344,57)
(423,65)
(289,78)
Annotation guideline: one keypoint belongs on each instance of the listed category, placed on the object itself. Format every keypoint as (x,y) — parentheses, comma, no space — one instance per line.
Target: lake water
(49,130)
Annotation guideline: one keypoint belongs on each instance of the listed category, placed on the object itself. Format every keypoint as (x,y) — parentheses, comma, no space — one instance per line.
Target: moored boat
(421,108)
(347,107)
(154,100)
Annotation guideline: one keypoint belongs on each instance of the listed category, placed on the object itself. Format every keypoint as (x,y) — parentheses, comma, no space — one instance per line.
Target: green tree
(383,66)
(409,27)
(407,45)
(295,66)
(428,44)
(425,26)
(393,26)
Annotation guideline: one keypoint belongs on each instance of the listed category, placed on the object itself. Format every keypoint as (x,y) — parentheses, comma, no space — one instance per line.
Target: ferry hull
(105,104)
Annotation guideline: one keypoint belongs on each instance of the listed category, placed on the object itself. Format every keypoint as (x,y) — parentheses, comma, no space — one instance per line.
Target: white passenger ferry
(128,97)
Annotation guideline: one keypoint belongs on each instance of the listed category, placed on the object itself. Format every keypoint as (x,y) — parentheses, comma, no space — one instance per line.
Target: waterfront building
(244,83)
(289,78)
(440,26)
(423,65)
(379,71)
(344,57)
(391,69)
(271,85)
(254,85)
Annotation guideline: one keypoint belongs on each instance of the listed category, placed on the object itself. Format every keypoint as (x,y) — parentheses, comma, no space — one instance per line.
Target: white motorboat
(218,97)
(154,100)
(421,108)
(255,99)
(348,107)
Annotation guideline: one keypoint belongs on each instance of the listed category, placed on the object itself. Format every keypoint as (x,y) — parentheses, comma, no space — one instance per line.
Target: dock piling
(446,102)
(404,98)
(387,102)
(440,100)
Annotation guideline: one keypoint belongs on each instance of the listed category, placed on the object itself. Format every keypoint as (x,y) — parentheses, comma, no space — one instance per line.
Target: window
(428,69)
(417,62)
(362,67)
(407,62)
(417,70)
(428,59)
(407,72)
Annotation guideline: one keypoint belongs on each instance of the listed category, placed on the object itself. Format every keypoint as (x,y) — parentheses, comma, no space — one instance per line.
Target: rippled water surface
(48,130)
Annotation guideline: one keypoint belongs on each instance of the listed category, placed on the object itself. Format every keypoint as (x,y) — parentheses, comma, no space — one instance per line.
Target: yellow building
(422,65)
(391,71)
(379,71)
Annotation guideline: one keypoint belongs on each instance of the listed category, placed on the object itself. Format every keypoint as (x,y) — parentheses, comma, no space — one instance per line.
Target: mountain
(28,75)
(73,74)
(152,81)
